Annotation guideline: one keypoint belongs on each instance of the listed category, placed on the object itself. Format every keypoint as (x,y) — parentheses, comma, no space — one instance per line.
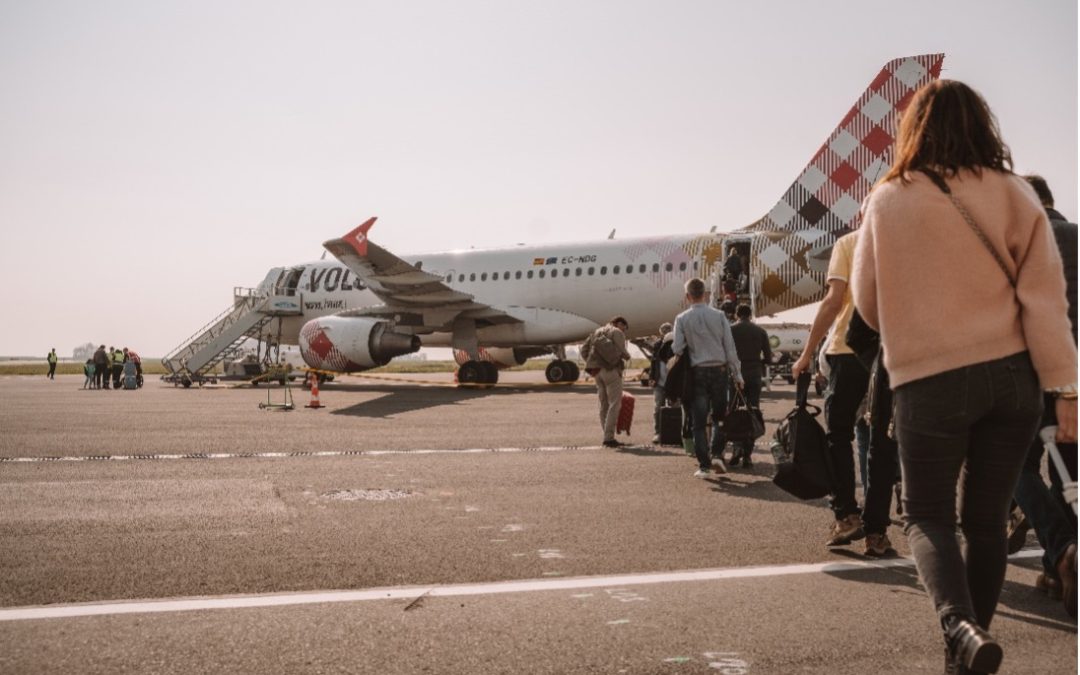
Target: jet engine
(348,344)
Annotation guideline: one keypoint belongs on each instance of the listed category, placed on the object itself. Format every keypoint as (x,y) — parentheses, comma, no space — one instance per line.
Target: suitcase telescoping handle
(1068,486)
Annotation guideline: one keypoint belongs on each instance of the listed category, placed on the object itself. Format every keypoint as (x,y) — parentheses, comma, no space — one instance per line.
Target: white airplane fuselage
(559,292)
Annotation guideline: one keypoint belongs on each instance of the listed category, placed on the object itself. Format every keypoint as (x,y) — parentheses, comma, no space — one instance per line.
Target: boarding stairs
(222,338)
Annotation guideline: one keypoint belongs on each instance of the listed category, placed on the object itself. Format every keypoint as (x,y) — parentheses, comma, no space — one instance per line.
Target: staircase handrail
(250,301)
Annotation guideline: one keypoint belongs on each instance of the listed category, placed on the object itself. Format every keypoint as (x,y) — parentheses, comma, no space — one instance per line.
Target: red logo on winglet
(358,238)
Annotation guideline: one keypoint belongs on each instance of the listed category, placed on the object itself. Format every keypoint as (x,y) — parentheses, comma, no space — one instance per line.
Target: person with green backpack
(605,353)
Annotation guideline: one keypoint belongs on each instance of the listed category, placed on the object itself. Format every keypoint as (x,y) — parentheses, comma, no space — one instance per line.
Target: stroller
(1068,486)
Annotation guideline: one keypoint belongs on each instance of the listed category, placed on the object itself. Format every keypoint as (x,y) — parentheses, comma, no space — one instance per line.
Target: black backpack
(804,467)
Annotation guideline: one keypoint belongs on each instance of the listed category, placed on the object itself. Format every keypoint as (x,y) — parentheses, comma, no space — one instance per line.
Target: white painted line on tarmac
(299,453)
(412,592)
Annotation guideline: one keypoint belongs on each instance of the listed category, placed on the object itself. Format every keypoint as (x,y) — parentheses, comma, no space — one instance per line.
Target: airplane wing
(412,296)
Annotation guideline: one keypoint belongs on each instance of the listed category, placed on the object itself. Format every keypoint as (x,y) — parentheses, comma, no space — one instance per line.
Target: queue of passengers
(961,379)
(121,367)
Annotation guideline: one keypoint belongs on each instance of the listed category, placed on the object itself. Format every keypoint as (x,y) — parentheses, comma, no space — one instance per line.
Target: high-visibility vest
(52,357)
(118,357)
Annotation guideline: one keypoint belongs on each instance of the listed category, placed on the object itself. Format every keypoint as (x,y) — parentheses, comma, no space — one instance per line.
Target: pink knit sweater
(922,277)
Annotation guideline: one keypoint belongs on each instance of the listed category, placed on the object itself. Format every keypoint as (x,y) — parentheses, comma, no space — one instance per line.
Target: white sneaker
(656,438)
(702,473)
(718,465)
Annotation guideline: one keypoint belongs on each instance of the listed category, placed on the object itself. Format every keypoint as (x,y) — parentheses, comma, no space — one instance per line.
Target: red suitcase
(626,414)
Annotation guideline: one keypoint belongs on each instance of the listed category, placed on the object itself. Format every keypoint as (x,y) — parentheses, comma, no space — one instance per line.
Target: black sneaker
(613,444)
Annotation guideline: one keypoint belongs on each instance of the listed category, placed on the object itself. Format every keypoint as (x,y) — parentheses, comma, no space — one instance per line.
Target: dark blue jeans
(1049,514)
(710,394)
(848,381)
(971,426)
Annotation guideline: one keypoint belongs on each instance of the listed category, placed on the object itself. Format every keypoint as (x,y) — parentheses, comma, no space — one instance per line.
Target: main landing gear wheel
(478,372)
(562,371)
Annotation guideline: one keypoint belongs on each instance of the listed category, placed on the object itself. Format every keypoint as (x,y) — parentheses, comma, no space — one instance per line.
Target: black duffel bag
(743,423)
(804,467)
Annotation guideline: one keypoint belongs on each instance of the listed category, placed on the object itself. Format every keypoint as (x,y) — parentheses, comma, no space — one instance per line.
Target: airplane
(498,307)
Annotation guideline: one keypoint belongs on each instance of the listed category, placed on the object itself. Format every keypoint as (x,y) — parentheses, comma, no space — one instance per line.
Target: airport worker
(88,371)
(604,353)
(703,334)
(117,366)
(661,352)
(1047,511)
(51,358)
(752,347)
(848,382)
(101,368)
(968,400)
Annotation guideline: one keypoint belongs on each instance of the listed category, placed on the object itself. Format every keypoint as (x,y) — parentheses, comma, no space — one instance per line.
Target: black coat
(1065,234)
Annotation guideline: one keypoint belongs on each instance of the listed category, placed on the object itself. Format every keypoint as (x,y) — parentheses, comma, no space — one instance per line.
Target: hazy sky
(153,155)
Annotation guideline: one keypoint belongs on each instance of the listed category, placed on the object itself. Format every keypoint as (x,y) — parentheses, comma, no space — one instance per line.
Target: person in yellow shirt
(848,382)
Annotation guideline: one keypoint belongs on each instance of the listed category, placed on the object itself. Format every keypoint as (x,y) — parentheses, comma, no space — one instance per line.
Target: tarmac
(411,526)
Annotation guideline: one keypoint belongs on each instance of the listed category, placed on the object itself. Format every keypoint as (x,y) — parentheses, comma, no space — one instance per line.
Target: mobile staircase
(221,339)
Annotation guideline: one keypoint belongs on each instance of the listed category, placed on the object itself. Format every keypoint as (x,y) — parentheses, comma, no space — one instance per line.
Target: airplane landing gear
(478,372)
(562,371)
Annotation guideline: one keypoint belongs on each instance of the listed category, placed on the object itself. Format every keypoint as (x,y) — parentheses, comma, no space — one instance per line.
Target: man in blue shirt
(704,334)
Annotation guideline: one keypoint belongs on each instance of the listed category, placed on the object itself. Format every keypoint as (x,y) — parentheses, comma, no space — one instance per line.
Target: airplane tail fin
(823,202)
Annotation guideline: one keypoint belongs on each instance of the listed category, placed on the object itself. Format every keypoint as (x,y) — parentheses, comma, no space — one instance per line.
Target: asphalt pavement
(503,538)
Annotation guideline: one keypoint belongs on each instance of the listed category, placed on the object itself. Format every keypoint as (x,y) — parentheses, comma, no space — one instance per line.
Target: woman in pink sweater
(973,328)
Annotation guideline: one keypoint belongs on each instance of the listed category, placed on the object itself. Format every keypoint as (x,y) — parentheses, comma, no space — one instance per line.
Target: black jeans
(848,381)
(972,424)
(52,371)
(710,393)
(1049,513)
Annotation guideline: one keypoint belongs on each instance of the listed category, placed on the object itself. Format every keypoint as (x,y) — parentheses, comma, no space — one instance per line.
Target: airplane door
(288,281)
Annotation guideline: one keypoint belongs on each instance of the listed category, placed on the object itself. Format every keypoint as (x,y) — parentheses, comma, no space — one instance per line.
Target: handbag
(863,340)
(804,468)
(743,423)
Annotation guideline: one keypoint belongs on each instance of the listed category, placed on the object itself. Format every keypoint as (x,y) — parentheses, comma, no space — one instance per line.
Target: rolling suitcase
(671,425)
(626,414)
(130,376)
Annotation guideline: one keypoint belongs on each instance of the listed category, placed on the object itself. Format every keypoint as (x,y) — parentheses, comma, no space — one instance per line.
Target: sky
(155,155)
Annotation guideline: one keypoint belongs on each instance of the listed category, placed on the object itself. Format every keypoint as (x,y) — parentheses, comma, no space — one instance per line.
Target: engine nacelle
(348,344)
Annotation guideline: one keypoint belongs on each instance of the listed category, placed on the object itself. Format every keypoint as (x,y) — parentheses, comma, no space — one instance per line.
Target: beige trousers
(609,388)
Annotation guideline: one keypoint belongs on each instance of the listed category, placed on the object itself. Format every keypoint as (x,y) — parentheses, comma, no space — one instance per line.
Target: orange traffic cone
(314,393)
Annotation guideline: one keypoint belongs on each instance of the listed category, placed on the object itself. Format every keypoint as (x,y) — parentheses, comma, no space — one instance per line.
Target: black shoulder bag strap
(944,187)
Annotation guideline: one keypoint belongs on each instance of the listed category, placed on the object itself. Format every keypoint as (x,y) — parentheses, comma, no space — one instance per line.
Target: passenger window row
(554,273)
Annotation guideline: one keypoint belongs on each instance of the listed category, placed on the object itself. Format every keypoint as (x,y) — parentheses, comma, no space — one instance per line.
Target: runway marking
(299,453)
(458,590)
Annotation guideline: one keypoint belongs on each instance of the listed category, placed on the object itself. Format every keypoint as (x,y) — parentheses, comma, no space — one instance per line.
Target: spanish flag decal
(538,261)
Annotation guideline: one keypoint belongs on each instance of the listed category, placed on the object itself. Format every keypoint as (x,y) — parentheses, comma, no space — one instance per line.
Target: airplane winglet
(358,239)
